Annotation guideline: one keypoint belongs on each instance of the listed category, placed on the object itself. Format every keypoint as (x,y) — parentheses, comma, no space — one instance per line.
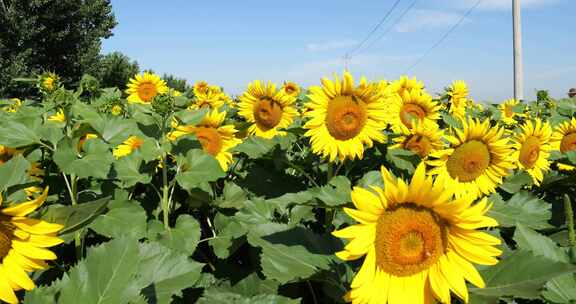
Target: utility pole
(518,68)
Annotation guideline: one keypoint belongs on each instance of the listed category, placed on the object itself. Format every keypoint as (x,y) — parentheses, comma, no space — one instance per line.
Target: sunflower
(458,90)
(23,246)
(476,161)
(508,111)
(411,105)
(420,242)
(564,140)
(143,88)
(291,89)
(215,138)
(532,149)
(407,84)
(344,117)
(268,109)
(458,93)
(421,139)
(128,146)
(211,99)
(200,87)
(48,82)
(58,117)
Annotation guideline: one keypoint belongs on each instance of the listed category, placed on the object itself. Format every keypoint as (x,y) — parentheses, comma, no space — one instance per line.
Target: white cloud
(504,4)
(330,45)
(425,19)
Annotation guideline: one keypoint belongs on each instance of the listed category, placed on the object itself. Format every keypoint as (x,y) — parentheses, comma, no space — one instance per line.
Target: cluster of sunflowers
(420,237)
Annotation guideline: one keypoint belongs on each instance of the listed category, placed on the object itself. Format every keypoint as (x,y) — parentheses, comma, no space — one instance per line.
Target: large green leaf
(522,274)
(255,147)
(15,134)
(124,218)
(129,170)
(217,295)
(163,273)
(539,244)
(561,289)
(284,258)
(232,197)
(198,167)
(515,182)
(183,237)
(523,208)
(74,217)
(95,162)
(13,172)
(106,276)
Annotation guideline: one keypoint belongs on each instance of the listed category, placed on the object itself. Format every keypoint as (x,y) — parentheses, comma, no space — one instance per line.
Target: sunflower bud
(163,104)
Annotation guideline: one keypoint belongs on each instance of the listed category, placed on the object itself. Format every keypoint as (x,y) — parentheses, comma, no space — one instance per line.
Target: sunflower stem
(569,220)
(165,193)
(72,190)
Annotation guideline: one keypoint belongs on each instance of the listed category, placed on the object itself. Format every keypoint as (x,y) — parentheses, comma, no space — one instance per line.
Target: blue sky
(231,43)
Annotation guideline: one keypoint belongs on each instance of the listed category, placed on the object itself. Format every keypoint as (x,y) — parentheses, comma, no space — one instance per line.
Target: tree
(176,83)
(116,69)
(63,36)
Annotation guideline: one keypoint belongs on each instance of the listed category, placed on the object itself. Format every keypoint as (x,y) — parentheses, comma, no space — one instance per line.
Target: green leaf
(129,171)
(233,196)
(371,178)
(336,193)
(95,162)
(191,117)
(74,217)
(531,240)
(561,289)
(521,274)
(183,237)
(402,159)
(515,182)
(228,229)
(124,218)
(15,134)
(284,259)
(106,276)
(523,208)
(163,273)
(255,147)
(215,295)
(13,172)
(198,167)
(451,121)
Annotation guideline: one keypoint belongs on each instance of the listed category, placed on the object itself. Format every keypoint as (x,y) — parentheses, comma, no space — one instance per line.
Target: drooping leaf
(75,217)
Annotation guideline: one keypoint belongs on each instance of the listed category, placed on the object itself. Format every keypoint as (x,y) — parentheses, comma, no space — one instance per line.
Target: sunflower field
(348,191)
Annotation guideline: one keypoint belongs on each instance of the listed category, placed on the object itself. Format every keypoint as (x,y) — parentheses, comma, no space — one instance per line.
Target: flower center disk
(210,140)
(345,117)
(267,114)
(411,112)
(529,152)
(147,91)
(409,239)
(418,144)
(568,143)
(5,240)
(468,161)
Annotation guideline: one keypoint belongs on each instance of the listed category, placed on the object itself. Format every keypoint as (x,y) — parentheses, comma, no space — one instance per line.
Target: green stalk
(72,191)
(165,193)
(569,220)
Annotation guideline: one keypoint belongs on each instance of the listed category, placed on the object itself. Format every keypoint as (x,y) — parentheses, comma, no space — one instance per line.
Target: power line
(435,45)
(354,49)
(408,8)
